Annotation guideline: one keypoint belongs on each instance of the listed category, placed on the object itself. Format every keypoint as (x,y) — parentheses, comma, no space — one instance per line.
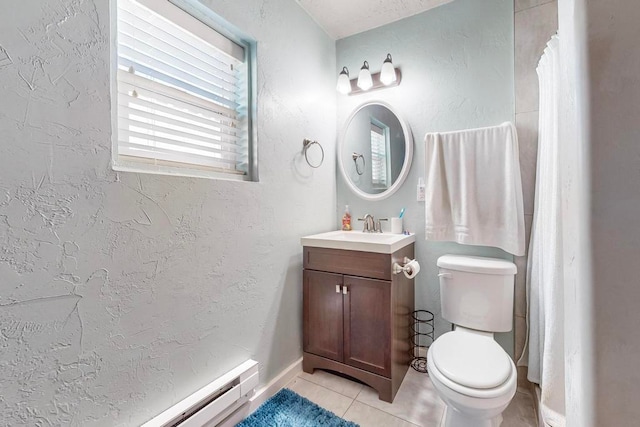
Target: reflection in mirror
(358,157)
(375,152)
(380,162)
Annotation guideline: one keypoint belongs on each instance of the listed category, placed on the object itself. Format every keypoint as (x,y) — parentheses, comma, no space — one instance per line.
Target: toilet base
(453,418)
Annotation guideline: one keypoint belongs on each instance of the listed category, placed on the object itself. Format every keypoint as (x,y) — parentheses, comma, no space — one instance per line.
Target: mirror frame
(408,154)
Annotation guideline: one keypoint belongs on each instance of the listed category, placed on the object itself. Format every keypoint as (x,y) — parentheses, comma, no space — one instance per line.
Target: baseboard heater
(213,403)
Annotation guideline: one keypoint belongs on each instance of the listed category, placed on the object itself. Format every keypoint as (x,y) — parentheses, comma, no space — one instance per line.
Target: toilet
(471,373)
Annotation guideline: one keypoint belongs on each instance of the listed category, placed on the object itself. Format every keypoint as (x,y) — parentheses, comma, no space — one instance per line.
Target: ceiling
(343,18)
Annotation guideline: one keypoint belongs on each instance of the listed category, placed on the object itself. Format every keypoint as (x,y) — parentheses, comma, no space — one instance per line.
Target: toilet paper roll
(412,268)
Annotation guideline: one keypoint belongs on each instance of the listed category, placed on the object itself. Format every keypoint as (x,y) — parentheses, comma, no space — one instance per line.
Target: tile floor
(416,403)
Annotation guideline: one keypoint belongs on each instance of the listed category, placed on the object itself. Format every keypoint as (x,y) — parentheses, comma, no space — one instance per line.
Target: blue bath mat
(288,409)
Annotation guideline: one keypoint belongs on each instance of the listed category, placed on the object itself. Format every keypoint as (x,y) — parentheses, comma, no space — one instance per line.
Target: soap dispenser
(346,219)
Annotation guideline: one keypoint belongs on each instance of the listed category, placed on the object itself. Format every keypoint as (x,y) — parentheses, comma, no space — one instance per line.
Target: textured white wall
(601,192)
(122,293)
(457,72)
(614,133)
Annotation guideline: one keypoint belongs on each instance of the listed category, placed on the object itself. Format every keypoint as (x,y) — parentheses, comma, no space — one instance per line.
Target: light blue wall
(457,72)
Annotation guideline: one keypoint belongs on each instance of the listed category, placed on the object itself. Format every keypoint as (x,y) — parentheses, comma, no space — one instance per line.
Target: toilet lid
(471,360)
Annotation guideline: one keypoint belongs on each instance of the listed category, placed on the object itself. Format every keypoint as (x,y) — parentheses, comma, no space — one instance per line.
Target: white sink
(383,243)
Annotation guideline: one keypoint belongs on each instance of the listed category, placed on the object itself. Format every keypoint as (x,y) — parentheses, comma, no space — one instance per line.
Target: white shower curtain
(544,266)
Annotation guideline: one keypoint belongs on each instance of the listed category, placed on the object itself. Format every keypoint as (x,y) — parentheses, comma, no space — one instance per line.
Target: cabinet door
(322,323)
(367,324)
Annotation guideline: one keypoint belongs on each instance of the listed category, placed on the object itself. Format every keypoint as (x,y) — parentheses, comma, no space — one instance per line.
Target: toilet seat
(472,364)
(471,360)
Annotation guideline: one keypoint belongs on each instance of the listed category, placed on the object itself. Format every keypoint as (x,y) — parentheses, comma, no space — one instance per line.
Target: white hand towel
(473,188)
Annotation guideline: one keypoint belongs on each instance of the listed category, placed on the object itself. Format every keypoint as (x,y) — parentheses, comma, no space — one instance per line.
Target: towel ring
(306,143)
(355,156)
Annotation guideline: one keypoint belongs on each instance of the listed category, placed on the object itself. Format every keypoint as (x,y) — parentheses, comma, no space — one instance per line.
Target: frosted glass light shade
(364,78)
(387,73)
(344,83)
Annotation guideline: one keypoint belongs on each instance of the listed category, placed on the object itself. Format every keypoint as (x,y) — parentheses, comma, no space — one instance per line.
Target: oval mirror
(375,151)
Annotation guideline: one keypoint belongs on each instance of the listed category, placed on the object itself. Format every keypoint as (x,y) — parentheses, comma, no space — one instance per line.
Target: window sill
(179,172)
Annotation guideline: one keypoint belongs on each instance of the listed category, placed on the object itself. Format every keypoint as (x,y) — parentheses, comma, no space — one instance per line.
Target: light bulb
(364,78)
(387,73)
(344,84)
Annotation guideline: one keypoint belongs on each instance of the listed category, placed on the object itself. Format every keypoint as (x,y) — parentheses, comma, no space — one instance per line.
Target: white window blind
(182,91)
(378,156)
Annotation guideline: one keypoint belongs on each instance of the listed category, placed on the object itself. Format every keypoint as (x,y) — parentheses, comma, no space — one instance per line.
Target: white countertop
(383,243)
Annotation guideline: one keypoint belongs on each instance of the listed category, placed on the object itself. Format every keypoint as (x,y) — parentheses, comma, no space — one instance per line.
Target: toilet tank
(477,292)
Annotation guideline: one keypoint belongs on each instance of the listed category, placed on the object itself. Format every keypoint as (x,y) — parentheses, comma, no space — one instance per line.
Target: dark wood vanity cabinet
(347,320)
(323,308)
(356,316)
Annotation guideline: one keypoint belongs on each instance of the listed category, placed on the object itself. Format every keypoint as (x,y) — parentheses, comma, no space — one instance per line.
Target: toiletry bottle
(346,219)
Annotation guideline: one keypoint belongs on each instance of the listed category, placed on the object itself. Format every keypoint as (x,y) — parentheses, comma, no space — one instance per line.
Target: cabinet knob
(344,290)
(337,289)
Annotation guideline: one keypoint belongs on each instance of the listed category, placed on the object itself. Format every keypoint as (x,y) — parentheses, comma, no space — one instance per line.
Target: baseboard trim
(264,393)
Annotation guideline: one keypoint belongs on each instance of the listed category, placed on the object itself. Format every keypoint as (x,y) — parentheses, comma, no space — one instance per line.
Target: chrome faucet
(369,224)
(378,225)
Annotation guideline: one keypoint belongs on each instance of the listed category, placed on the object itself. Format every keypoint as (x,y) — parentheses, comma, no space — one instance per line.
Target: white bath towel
(473,188)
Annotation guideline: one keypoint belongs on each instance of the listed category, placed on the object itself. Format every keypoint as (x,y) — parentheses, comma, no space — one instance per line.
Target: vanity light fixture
(388,76)
(364,78)
(344,83)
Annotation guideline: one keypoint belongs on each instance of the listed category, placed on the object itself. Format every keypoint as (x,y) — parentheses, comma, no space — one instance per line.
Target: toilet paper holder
(397,268)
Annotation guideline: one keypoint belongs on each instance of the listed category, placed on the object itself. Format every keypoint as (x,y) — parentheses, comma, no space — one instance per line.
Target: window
(184,95)
(379,149)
